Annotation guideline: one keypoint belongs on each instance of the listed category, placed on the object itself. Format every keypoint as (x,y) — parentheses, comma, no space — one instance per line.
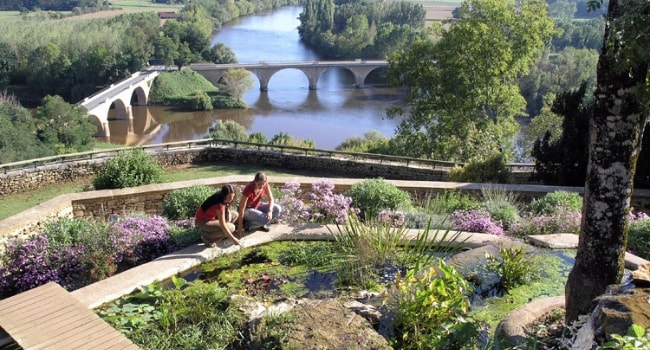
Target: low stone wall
(19,181)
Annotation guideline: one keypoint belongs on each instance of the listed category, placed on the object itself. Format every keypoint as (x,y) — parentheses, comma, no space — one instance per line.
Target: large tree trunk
(615,142)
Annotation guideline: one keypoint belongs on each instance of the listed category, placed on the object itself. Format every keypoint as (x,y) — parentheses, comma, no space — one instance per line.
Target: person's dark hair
(219,197)
(260,177)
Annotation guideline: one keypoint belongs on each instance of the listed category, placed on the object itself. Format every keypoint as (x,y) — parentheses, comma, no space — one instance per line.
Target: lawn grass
(10,16)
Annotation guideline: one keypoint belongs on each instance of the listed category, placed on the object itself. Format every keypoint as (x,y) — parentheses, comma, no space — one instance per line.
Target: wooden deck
(48,317)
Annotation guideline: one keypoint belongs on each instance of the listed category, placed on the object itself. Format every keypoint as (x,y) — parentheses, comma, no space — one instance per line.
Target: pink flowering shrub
(563,220)
(294,210)
(475,220)
(393,218)
(320,205)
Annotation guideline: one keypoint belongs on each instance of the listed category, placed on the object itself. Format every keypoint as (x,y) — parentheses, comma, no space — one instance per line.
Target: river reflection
(332,113)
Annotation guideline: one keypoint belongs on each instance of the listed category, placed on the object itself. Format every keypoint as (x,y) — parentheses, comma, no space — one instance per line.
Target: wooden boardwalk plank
(48,317)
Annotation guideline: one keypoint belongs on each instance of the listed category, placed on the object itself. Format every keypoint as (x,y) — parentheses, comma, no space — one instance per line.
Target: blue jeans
(254,218)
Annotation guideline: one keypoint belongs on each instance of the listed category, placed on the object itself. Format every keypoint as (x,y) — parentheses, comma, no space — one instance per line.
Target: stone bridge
(313,70)
(131,91)
(134,90)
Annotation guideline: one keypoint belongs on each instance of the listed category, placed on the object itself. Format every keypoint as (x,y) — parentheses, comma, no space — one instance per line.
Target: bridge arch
(120,97)
(313,70)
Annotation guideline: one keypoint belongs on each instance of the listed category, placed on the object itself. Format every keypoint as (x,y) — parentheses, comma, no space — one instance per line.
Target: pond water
(256,272)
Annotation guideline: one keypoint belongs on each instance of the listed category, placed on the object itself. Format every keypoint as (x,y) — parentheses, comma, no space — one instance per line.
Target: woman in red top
(215,219)
(253,213)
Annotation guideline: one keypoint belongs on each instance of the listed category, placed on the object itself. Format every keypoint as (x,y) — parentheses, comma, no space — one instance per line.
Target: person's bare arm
(240,219)
(224,226)
(269,195)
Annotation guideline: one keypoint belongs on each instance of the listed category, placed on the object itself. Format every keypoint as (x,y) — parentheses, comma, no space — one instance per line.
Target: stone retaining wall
(419,182)
(19,181)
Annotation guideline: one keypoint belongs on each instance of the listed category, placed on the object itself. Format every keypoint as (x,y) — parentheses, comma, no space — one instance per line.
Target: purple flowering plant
(75,258)
(393,218)
(140,239)
(563,220)
(475,220)
(29,264)
(320,205)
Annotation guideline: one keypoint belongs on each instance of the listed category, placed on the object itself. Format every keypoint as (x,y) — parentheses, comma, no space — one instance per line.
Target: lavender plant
(392,218)
(476,220)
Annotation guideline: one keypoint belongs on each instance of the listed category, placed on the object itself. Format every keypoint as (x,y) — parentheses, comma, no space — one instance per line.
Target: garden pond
(499,280)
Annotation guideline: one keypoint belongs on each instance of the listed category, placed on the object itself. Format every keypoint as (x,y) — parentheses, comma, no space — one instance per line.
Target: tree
(7,64)
(616,129)
(463,93)
(17,130)
(220,54)
(63,126)
(561,157)
(228,130)
(236,82)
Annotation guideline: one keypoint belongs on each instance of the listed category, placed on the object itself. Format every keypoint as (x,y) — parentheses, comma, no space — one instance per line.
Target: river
(332,113)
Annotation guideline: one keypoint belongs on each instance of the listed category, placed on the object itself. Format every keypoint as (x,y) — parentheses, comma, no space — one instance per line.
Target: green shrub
(431,306)
(513,267)
(258,137)
(639,238)
(173,86)
(502,205)
(553,202)
(374,195)
(182,204)
(491,170)
(450,201)
(227,102)
(637,338)
(285,139)
(184,233)
(201,101)
(228,130)
(129,169)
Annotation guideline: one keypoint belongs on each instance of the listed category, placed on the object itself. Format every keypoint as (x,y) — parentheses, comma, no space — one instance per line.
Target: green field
(436,10)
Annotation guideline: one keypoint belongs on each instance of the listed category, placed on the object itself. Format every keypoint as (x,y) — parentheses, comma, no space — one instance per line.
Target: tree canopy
(360,29)
(463,92)
(56,127)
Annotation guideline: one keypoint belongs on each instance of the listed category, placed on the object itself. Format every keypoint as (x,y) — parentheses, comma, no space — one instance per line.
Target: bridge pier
(104,131)
(126,113)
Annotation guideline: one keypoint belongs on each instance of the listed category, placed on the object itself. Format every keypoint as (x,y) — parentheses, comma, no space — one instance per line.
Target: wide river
(332,113)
